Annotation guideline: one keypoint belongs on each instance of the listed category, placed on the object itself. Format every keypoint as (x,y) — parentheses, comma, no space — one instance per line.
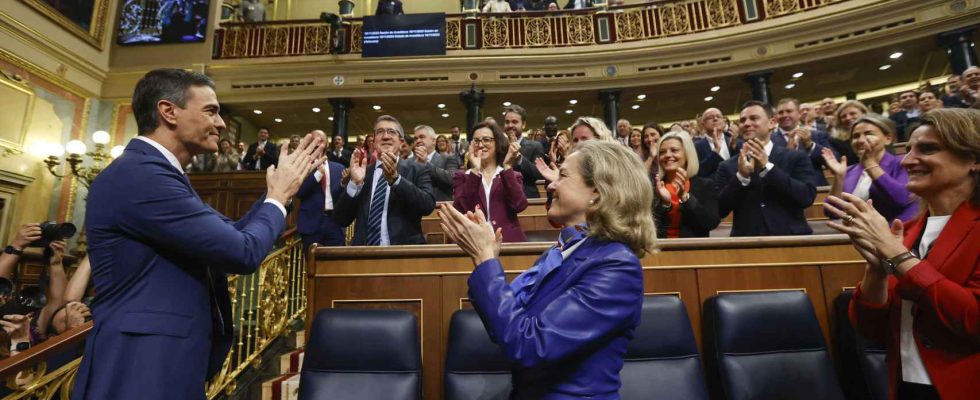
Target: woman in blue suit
(566,321)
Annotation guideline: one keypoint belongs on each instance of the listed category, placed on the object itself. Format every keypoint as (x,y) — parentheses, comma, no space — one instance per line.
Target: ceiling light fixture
(257,112)
(798,75)
(573,102)
(790,85)
(715,88)
(641,97)
(316,109)
(569,111)
(445,115)
(440,105)
(278,120)
(896,55)
(709,98)
(636,106)
(330,118)
(884,67)
(376,108)
(507,104)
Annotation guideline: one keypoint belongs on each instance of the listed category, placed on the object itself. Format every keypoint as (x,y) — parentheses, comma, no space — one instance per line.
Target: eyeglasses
(483,141)
(391,132)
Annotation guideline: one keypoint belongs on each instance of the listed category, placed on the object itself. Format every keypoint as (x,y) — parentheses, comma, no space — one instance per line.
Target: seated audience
(565,323)
(685,204)
(652,132)
(527,151)
(826,115)
(879,175)
(928,101)
(578,4)
(584,129)
(970,90)
(712,143)
(766,187)
(441,166)
(202,163)
(442,146)
(368,148)
(317,196)
(951,93)
(262,154)
(919,295)
(228,159)
(636,144)
(458,144)
(491,185)
(840,135)
(908,113)
(293,144)
(389,210)
(623,128)
(497,6)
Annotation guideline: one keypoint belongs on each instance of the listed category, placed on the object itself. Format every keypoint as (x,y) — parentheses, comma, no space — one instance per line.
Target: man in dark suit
(766,187)
(908,115)
(789,133)
(318,195)
(442,166)
(339,153)
(526,150)
(458,145)
(389,7)
(159,254)
(389,198)
(712,146)
(262,154)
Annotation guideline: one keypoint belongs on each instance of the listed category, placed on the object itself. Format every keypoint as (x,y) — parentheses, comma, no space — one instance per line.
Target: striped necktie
(376,211)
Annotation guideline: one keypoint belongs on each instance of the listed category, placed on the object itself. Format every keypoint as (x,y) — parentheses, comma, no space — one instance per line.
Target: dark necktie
(376,211)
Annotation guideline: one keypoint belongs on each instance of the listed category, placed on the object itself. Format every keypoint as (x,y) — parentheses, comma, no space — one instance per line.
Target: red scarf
(674,215)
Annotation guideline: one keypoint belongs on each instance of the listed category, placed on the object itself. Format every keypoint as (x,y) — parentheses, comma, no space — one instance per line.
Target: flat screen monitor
(404,35)
(163,21)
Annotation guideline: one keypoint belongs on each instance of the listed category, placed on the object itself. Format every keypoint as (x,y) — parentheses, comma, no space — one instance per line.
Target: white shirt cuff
(277,204)
(353,189)
(762,174)
(743,180)
(317,175)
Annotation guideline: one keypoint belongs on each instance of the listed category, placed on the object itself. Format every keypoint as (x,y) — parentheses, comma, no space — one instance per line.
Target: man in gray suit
(515,121)
(458,145)
(442,166)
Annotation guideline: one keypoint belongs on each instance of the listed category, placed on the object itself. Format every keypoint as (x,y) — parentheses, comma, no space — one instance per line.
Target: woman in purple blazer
(878,175)
(491,184)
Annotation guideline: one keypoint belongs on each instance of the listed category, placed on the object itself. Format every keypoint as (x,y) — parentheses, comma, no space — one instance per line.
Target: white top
(258,162)
(487,186)
(863,187)
(913,370)
(497,6)
(176,163)
(723,152)
(567,252)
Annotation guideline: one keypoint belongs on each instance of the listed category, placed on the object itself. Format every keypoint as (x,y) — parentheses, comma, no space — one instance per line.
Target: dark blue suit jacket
(820,140)
(772,205)
(571,337)
(409,201)
(312,222)
(159,257)
(709,160)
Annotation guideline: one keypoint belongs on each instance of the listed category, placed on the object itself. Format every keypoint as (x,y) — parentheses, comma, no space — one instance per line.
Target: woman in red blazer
(921,289)
(491,184)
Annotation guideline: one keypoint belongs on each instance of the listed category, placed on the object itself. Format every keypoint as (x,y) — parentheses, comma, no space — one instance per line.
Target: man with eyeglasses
(386,200)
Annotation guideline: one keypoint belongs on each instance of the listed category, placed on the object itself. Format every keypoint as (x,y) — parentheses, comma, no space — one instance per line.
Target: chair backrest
(863,371)
(662,360)
(476,368)
(362,354)
(767,345)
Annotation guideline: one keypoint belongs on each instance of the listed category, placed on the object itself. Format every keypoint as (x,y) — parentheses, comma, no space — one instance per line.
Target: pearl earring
(591,202)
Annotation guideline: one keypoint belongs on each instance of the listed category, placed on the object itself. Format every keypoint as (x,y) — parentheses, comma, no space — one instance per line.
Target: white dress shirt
(913,371)
(762,174)
(353,190)
(176,164)
(258,162)
(327,200)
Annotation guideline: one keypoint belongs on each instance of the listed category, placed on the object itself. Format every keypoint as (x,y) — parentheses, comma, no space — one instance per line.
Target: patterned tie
(376,211)
(524,285)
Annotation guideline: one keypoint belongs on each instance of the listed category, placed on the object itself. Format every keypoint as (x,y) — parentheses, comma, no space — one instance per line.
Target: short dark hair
(163,84)
(785,100)
(755,103)
(500,140)
(653,125)
(514,108)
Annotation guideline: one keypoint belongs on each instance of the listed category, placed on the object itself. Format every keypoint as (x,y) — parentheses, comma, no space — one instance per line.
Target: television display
(163,21)
(404,35)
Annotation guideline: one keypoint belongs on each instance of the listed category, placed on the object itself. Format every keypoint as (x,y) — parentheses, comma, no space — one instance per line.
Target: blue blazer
(772,205)
(159,257)
(570,340)
(820,140)
(311,197)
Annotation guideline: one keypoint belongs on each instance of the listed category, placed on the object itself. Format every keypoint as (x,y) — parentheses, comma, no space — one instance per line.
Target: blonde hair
(844,133)
(689,152)
(622,211)
(958,129)
(598,127)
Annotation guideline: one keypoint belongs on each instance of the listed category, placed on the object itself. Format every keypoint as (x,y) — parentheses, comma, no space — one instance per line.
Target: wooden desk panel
(430,281)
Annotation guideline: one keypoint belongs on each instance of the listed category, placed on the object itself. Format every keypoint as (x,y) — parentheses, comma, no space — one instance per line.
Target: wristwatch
(19,346)
(13,250)
(891,264)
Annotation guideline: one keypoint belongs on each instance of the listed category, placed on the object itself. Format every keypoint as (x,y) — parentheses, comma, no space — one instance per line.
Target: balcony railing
(263,306)
(520,30)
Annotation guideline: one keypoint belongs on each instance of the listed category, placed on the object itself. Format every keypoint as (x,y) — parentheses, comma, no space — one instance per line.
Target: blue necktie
(524,285)
(376,211)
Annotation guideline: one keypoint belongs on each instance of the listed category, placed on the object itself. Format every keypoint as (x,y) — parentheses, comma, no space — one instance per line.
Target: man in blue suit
(389,198)
(765,186)
(316,223)
(790,134)
(159,254)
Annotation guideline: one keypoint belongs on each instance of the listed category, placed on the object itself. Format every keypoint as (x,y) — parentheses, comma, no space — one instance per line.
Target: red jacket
(946,290)
(506,200)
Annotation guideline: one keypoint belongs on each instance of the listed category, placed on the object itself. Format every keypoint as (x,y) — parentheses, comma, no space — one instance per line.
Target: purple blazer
(890,196)
(506,200)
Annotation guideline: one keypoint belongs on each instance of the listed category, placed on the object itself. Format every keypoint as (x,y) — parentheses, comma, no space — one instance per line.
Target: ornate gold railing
(263,306)
(653,20)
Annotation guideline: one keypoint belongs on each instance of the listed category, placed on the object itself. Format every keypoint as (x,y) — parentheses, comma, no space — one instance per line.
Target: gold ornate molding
(95,35)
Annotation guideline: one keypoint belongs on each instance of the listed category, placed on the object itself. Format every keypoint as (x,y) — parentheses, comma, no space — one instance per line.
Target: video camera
(51,231)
